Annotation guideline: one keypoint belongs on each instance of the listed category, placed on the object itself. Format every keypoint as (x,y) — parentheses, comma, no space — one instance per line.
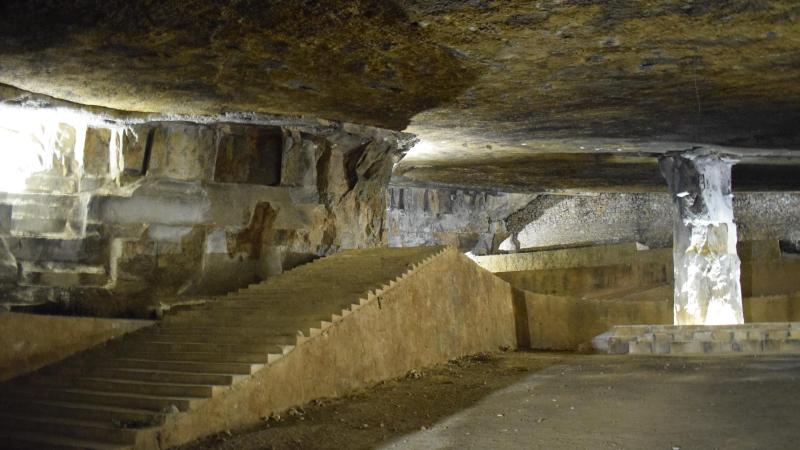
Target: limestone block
(64,150)
(640,348)
(46,182)
(702,336)
(250,155)
(167,233)
(746,346)
(687,348)
(771,345)
(8,264)
(647,337)
(717,348)
(5,219)
(777,334)
(332,174)
(662,344)
(618,346)
(790,346)
(722,335)
(299,160)
(160,266)
(135,140)
(89,250)
(96,151)
(182,152)
(166,210)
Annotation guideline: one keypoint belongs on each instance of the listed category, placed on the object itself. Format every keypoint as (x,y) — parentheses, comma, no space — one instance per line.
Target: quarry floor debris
(515,400)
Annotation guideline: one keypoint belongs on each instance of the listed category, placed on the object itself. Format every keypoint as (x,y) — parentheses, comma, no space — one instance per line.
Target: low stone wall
(551,322)
(568,323)
(574,271)
(583,280)
(31,341)
(446,309)
(773,308)
(770,277)
(595,256)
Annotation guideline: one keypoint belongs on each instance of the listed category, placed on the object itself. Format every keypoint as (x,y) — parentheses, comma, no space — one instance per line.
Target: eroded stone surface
(499,72)
(707,268)
(161,209)
(473,221)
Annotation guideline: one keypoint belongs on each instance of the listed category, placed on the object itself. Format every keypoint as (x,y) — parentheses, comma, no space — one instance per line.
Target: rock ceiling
(551,94)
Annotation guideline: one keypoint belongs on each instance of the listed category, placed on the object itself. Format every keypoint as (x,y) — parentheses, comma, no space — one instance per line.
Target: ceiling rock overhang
(554,95)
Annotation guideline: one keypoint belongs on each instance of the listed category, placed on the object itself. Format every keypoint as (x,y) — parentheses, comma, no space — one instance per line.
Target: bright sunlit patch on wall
(423,148)
(31,142)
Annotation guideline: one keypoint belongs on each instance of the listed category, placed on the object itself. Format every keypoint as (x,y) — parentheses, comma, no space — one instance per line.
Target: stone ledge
(750,338)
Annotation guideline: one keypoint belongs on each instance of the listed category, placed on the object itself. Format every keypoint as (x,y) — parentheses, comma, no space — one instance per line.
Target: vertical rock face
(473,221)
(707,268)
(124,216)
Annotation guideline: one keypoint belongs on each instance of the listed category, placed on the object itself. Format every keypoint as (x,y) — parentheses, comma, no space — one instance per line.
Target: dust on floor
(518,400)
(372,417)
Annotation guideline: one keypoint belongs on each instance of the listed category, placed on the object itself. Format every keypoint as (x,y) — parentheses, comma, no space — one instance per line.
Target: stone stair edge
(268,358)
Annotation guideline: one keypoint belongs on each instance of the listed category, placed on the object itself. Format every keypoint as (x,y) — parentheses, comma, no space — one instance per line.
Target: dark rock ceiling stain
(724,72)
(355,61)
(471,77)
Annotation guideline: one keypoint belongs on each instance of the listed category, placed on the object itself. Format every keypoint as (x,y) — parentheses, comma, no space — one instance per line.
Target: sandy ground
(553,401)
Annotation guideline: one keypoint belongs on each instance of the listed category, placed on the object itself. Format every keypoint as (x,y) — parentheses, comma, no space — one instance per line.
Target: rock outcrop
(154,210)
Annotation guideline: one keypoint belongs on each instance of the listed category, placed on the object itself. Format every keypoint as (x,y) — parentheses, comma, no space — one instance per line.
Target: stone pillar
(707,287)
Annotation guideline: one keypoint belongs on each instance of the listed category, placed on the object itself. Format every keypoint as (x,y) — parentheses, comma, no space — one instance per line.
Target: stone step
(689,340)
(62,274)
(79,411)
(20,440)
(178,328)
(225,368)
(251,358)
(125,386)
(191,347)
(70,428)
(126,400)
(154,376)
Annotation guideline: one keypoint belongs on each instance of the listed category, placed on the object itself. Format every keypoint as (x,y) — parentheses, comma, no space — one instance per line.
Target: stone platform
(750,338)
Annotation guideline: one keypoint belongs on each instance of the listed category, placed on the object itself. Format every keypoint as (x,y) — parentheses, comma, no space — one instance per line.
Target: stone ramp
(750,338)
(135,392)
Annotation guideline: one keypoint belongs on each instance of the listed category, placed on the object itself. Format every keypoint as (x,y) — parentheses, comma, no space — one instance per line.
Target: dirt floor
(521,400)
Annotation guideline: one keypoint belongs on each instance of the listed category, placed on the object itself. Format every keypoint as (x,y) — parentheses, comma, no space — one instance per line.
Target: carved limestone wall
(109,218)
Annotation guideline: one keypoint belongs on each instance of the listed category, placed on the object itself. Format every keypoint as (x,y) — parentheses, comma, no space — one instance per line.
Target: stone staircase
(124,394)
(750,338)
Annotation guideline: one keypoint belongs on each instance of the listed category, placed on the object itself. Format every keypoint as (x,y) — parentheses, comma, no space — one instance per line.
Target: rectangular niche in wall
(249,155)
